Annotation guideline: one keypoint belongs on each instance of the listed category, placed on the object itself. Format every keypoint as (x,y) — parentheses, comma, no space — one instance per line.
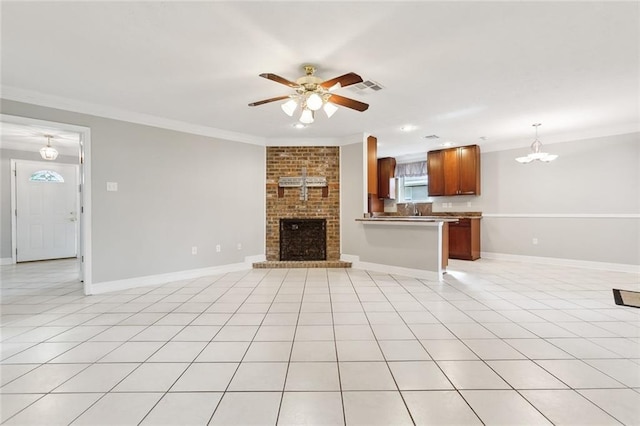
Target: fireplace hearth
(303,239)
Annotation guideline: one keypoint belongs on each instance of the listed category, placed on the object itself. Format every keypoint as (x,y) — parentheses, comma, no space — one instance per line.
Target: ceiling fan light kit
(314,102)
(329,109)
(536,153)
(289,107)
(307,116)
(313,94)
(48,152)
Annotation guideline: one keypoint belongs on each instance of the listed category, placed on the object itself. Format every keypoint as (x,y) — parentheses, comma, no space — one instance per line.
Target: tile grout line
(282,281)
(404,402)
(140,364)
(286,374)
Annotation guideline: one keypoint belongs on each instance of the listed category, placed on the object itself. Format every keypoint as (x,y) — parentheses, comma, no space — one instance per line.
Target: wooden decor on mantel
(303,182)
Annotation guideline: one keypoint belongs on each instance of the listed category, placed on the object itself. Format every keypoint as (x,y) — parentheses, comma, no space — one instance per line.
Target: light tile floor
(495,343)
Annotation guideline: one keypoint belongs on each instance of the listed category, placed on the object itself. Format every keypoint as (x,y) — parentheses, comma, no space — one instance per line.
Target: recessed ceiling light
(299,125)
(408,128)
(447,144)
(484,138)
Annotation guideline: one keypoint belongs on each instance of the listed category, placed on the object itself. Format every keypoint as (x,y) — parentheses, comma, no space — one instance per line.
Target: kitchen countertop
(408,219)
(459,215)
(432,216)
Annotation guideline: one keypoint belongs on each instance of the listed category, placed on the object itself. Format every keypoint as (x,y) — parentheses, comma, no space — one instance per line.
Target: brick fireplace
(287,202)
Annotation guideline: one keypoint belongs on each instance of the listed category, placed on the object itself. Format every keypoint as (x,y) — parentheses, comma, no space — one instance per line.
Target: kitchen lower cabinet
(464,239)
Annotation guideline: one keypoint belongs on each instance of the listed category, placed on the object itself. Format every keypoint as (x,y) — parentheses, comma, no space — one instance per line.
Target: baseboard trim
(6,261)
(390,269)
(151,280)
(250,260)
(586,264)
(349,258)
(563,215)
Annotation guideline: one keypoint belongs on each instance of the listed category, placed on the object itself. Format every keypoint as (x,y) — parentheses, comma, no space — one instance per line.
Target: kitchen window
(412,181)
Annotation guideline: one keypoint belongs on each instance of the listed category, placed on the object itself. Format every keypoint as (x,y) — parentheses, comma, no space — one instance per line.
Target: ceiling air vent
(366,87)
(432,137)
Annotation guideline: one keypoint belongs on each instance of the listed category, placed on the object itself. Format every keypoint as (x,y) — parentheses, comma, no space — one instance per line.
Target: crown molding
(346,140)
(58,102)
(584,134)
(67,104)
(302,142)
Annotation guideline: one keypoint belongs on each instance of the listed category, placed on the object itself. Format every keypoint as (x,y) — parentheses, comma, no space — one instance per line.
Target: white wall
(175,191)
(178,190)
(351,197)
(583,206)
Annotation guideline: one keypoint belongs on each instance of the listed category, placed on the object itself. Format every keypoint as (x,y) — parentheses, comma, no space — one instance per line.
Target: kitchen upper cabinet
(372,165)
(469,170)
(386,178)
(454,171)
(374,204)
(435,171)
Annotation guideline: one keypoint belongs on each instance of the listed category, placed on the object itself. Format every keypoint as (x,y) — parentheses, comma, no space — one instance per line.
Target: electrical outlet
(239,246)
(194,250)
(468,203)
(112,186)
(534,241)
(218,248)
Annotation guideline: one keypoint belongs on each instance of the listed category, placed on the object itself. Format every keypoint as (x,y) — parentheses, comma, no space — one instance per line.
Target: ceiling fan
(312,94)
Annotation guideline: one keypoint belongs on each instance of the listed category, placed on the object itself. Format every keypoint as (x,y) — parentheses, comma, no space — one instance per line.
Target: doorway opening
(24,134)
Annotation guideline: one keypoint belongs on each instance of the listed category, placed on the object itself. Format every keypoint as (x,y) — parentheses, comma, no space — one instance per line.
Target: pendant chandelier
(536,153)
(48,152)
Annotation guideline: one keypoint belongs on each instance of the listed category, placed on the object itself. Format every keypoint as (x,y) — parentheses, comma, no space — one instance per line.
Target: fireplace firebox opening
(303,239)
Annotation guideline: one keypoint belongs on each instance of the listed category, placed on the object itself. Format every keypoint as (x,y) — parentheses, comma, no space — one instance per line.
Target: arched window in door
(46,176)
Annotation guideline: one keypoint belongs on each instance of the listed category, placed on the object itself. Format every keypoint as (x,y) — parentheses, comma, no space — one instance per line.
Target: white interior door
(47,210)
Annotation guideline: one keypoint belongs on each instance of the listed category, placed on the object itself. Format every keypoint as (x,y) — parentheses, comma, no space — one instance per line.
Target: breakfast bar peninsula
(412,245)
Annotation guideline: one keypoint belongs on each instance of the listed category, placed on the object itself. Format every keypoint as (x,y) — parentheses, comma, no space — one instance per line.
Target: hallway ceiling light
(536,151)
(48,152)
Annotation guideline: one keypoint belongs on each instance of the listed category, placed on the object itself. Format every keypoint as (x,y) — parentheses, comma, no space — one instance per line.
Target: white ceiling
(460,70)
(31,137)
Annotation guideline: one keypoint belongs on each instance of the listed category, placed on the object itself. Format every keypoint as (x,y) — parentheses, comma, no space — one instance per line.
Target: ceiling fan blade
(266,101)
(280,80)
(344,80)
(348,102)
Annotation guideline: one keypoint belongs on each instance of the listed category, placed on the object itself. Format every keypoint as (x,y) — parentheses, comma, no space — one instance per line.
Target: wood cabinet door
(451,172)
(435,172)
(469,170)
(460,239)
(372,165)
(386,180)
